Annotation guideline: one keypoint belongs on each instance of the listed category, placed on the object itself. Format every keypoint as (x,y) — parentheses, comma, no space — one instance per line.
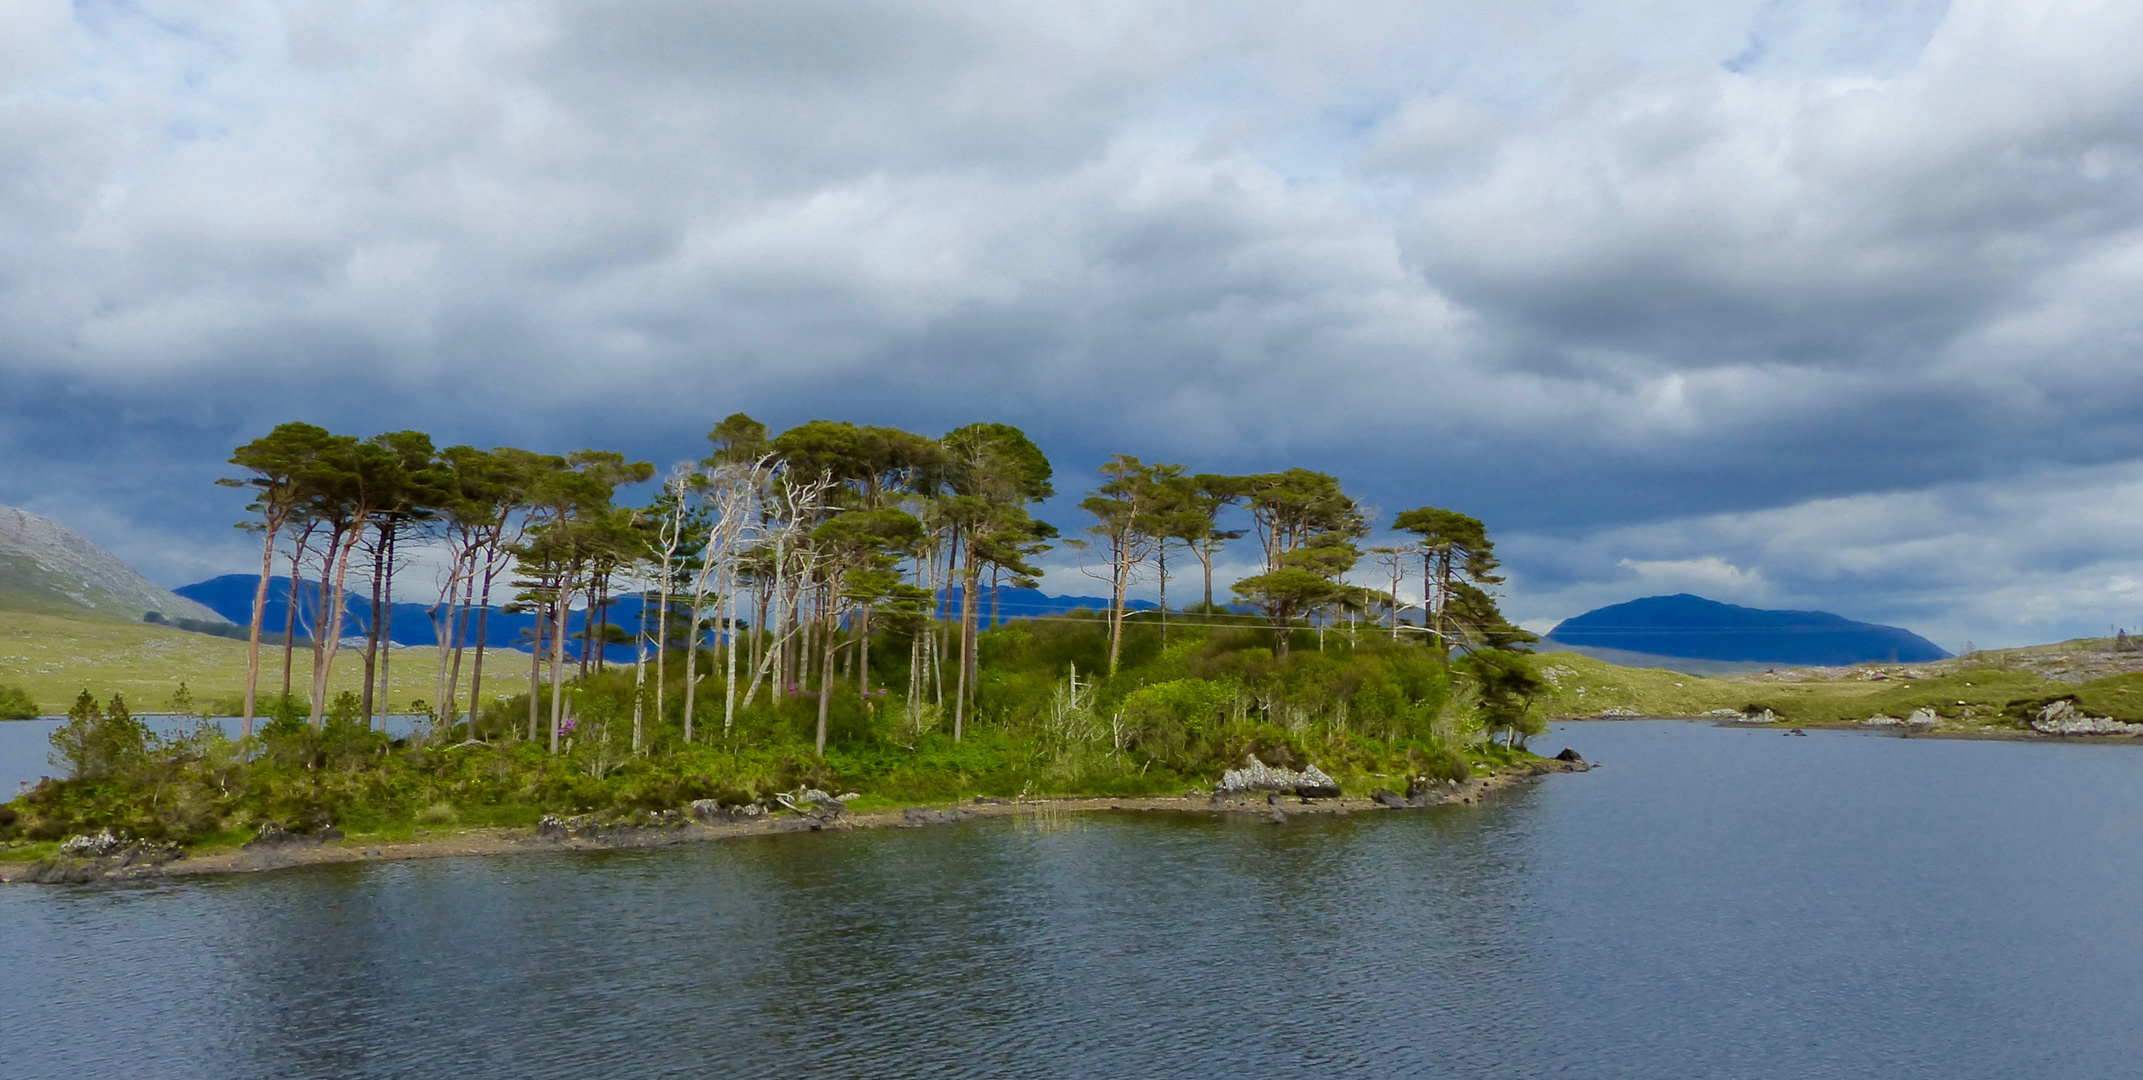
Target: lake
(1709,903)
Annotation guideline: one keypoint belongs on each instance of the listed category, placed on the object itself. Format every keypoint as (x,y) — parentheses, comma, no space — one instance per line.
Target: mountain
(45,566)
(1692,627)
(231,597)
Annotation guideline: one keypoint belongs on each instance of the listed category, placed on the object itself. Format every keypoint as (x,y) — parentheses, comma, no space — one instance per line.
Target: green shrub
(15,704)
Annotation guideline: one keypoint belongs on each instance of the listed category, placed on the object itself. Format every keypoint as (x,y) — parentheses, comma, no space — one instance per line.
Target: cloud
(1582,271)
(2007,562)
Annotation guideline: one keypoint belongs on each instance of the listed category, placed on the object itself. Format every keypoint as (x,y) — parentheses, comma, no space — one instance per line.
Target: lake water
(1710,903)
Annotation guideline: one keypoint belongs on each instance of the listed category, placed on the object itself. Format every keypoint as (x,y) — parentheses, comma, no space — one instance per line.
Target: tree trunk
(457,621)
(970,576)
(535,670)
(862,636)
(386,634)
(558,659)
(1164,594)
(483,627)
(379,569)
(1119,584)
(1395,602)
(639,683)
(729,677)
(260,613)
(825,691)
(699,615)
(290,607)
(662,643)
(1205,559)
(327,644)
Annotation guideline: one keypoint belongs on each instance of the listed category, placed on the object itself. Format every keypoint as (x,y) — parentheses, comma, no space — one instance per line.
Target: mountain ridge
(1687,626)
(46,566)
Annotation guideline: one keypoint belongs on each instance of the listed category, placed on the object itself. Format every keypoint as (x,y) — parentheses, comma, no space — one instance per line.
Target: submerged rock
(916,816)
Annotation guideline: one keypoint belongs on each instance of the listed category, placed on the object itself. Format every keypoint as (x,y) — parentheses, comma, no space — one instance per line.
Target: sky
(1821,305)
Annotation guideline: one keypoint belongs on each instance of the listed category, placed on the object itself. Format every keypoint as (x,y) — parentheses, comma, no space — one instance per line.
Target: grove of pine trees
(808,607)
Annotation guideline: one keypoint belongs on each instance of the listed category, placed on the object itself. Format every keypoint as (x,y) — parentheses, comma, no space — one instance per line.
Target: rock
(1723,714)
(1619,712)
(1570,756)
(714,813)
(2063,718)
(819,807)
(1393,799)
(1922,718)
(101,855)
(91,846)
(1255,775)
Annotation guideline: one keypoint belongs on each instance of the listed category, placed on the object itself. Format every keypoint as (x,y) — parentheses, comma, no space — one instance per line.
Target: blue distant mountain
(1692,627)
(231,596)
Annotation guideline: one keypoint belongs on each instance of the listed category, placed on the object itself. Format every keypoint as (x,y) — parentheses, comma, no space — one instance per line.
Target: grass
(1984,692)
(56,656)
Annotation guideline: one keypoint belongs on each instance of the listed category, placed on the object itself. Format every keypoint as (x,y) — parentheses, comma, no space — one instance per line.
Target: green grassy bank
(1047,721)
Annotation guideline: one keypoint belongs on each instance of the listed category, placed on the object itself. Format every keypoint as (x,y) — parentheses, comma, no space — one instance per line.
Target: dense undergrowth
(1047,721)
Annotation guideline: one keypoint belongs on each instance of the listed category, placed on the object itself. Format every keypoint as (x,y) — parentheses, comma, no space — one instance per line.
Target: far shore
(1973,734)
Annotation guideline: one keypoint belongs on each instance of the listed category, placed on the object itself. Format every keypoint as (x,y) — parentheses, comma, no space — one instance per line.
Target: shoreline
(510,841)
(1986,734)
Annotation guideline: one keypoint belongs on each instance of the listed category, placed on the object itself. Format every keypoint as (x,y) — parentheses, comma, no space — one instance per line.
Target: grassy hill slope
(56,656)
(1987,691)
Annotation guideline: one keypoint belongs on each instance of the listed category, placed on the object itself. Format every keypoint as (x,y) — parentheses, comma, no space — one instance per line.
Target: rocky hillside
(45,566)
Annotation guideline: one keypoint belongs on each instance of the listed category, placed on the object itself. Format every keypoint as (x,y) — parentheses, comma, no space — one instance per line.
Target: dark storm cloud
(1648,290)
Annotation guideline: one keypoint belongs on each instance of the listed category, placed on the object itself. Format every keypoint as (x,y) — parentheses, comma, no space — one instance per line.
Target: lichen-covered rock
(713,812)
(101,855)
(2063,718)
(1310,783)
(92,845)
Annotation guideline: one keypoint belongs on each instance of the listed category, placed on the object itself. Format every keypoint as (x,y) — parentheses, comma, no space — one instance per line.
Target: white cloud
(1592,271)
(1995,562)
